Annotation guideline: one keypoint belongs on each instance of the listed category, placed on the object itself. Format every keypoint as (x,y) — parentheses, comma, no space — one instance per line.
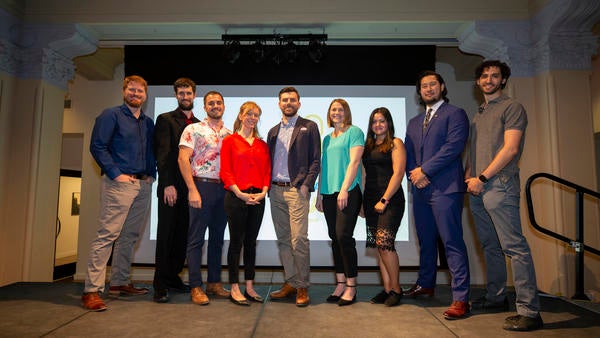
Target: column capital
(559,37)
(46,52)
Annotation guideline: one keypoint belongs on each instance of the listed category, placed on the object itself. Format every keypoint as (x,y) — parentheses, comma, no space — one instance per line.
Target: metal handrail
(577,244)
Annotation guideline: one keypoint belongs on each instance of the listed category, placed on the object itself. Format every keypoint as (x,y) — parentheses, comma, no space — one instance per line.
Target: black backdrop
(341,65)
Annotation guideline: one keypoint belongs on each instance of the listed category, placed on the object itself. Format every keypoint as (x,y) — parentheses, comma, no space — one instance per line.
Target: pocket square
(303,128)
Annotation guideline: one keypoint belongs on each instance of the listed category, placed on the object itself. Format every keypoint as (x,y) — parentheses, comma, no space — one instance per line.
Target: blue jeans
(498,224)
(211,216)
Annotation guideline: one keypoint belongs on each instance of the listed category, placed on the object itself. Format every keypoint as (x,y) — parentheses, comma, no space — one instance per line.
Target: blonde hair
(246,107)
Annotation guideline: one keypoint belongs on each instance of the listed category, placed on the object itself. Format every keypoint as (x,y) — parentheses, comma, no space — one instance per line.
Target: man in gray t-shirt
(497,137)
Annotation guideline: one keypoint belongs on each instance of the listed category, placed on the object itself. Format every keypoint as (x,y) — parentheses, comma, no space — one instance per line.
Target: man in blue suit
(434,142)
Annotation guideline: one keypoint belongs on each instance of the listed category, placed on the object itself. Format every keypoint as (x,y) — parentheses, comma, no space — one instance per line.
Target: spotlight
(231,52)
(258,52)
(315,50)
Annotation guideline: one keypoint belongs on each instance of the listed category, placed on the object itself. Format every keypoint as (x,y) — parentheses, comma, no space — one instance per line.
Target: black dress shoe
(161,296)
(256,298)
(181,288)
(242,302)
(380,297)
(522,323)
(418,290)
(483,304)
(393,298)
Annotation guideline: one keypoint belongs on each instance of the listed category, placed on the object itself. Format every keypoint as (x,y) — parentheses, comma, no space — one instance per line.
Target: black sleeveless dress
(381,228)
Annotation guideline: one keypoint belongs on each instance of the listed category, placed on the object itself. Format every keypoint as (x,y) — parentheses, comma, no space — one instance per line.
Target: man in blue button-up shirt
(295,146)
(121,144)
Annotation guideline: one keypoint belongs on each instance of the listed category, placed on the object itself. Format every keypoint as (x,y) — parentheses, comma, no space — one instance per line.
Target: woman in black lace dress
(384,160)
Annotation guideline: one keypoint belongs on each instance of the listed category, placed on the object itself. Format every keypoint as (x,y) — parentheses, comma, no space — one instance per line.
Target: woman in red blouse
(246,174)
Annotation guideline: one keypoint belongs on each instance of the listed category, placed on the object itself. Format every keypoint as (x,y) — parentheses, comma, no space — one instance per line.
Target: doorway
(69,197)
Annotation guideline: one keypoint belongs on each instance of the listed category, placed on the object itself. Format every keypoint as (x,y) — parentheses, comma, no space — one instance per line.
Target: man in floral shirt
(199,150)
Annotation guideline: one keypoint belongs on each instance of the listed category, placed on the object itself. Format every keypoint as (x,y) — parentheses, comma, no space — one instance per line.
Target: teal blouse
(336,158)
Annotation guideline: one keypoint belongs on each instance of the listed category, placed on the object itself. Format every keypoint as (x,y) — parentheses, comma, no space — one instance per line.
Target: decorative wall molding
(43,51)
(559,37)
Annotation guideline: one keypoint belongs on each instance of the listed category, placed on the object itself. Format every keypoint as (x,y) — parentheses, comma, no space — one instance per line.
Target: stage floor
(54,310)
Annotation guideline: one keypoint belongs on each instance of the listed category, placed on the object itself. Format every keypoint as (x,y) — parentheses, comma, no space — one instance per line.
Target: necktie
(427,117)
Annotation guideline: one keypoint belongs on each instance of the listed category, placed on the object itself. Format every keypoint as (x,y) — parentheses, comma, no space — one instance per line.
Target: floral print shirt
(206,143)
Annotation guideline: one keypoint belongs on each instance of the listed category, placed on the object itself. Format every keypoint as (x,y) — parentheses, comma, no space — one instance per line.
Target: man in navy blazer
(295,147)
(434,142)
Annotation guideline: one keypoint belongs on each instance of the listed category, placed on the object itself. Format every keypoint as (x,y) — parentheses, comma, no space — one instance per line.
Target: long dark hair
(388,142)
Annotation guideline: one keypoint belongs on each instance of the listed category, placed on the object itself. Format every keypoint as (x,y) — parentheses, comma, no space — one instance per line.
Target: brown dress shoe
(217,289)
(127,290)
(302,298)
(418,290)
(93,302)
(285,291)
(457,310)
(198,296)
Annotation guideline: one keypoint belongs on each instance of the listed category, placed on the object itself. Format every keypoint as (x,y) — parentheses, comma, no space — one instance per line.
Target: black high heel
(256,298)
(344,302)
(333,298)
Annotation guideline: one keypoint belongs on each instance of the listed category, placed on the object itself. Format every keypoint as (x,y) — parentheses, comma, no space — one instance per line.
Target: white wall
(66,241)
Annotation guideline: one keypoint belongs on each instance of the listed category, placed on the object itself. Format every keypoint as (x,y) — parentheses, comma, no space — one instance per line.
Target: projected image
(314,101)
(313,108)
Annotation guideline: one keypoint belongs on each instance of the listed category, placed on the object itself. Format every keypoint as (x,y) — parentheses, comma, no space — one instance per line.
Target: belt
(251,190)
(282,184)
(207,180)
(138,176)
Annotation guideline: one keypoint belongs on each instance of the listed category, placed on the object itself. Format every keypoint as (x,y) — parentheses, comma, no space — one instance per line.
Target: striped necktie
(427,117)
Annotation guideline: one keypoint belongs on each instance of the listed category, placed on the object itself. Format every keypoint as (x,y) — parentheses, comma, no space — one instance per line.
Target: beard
(217,115)
(183,105)
(432,100)
(491,90)
(133,102)
(289,113)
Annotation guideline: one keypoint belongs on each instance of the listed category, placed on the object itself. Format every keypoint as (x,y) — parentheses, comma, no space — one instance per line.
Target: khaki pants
(289,210)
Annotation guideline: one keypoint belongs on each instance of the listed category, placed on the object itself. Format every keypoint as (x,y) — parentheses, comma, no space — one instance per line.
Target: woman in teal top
(340,198)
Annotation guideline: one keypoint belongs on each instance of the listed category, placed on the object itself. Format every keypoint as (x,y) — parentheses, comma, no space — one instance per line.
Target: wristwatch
(483,179)
(383,200)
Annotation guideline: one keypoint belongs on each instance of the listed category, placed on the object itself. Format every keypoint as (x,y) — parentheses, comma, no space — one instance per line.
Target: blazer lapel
(296,130)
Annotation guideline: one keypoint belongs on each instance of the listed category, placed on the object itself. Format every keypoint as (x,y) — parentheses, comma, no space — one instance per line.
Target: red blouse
(247,166)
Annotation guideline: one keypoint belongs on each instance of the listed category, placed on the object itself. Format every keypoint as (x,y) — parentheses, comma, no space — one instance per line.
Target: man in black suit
(173,214)
(295,147)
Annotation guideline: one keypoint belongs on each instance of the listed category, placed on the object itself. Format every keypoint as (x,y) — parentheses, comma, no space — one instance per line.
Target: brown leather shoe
(418,290)
(198,296)
(285,291)
(93,302)
(457,310)
(302,298)
(127,290)
(217,289)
